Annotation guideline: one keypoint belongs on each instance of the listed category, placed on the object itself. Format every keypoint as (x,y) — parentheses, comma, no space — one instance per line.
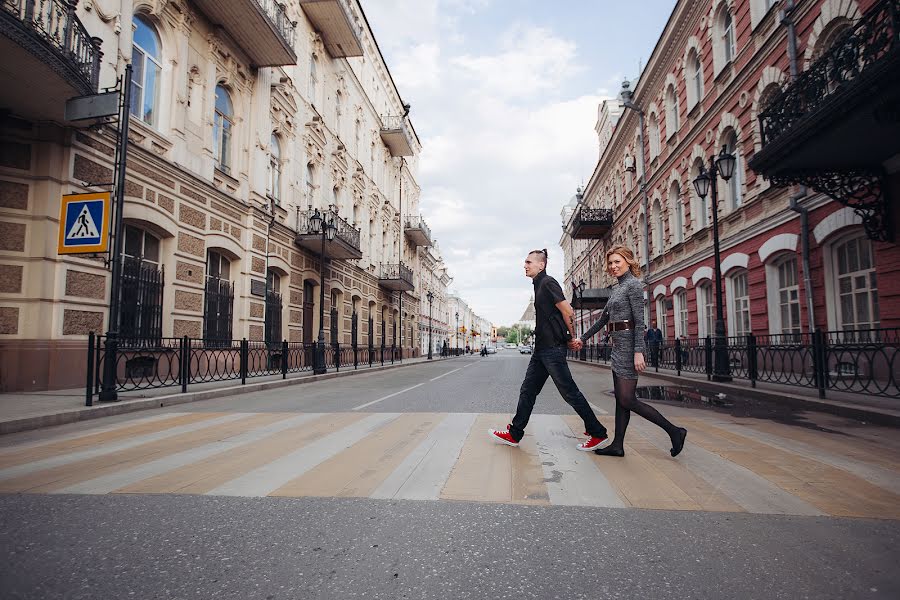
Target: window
(274,187)
(273,308)
(310,184)
(706,310)
(218,301)
(671,111)
(658,228)
(677,209)
(739,323)
(788,295)
(142,246)
(856,285)
(681,313)
(728,44)
(723,38)
(146,61)
(217,266)
(661,316)
(313,78)
(222,126)
(733,186)
(142,287)
(654,136)
(694,79)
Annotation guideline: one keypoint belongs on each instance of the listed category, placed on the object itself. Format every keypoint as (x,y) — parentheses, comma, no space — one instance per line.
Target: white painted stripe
(104,449)
(882,477)
(268,478)
(424,472)
(388,396)
(444,374)
(753,492)
(120,479)
(597,409)
(572,477)
(84,432)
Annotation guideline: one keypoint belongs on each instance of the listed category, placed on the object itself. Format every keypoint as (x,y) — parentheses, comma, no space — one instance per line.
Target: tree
(512,336)
(503,332)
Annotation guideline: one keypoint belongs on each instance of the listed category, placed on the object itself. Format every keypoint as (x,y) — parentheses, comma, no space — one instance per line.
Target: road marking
(388,396)
(445,374)
(423,473)
(121,479)
(268,478)
(597,409)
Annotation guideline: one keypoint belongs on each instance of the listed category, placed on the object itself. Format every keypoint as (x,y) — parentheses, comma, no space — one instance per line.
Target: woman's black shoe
(610,451)
(678,441)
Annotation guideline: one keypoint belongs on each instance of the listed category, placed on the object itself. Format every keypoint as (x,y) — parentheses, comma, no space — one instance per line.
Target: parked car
(524,349)
(491,350)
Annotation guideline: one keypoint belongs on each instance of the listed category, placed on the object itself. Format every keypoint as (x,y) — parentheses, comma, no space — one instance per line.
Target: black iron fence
(141,301)
(863,361)
(184,361)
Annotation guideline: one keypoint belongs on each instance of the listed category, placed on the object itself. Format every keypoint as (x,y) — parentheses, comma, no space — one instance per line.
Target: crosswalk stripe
(424,471)
(264,480)
(120,479)
(202,422)
(572,477)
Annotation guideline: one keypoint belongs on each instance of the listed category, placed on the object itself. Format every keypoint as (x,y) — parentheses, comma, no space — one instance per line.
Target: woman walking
(624,319)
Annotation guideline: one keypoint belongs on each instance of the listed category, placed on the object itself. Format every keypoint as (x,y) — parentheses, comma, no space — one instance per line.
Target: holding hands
(575,344)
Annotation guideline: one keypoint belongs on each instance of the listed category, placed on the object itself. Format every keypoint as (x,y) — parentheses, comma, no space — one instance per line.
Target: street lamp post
(457,332)
(578,293)
(318,226)
(430,297)
(706,183)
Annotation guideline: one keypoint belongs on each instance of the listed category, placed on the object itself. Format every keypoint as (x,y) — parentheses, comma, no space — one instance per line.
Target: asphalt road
(167,545)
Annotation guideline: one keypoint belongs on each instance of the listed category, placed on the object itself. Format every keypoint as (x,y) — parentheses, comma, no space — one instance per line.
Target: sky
(504,97)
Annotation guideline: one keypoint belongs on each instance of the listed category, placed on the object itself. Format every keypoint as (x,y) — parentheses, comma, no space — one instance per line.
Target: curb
(86,413)
(842,409)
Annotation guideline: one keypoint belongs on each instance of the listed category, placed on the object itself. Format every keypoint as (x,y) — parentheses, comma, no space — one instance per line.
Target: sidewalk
(33,410)
(863,407)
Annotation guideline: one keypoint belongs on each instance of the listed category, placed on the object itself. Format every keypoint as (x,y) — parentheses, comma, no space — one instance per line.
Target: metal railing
(277,15)
(594,215)
(860,361)
(345,231)
(417,222)
(396,271)
(55,23)
(184,361)
(867,43)
(393,122)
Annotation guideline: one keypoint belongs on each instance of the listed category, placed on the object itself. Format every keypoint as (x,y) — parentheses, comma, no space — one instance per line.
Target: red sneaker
(591,444)
(504,437)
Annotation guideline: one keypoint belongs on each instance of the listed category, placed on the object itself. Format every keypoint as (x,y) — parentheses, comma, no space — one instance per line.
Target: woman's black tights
(626,401)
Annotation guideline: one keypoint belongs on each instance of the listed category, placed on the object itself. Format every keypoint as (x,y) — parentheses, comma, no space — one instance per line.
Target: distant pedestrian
(654,338)
(624,319)
(555,329)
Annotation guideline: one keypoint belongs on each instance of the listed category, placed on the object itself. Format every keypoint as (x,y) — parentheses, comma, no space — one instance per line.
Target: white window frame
(680,304)
(832,287)
(274,182)
(223,126)
(738,305)
(706,308)
(672,124)
(139,88)
(694,85)
(661,320)
(733,195)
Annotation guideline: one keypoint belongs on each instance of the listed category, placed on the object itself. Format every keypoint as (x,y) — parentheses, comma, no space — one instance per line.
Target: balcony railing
(396,276)
(591,223)
(418,231)
(331,19)
(346,239)
(872,41)
(395,135)
(53,24)
(260,27)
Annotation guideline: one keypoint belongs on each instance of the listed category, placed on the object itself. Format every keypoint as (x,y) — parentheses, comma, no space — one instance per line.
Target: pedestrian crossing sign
(84,223)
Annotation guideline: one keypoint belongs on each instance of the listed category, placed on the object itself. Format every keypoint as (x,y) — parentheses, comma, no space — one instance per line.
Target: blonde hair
(628,255)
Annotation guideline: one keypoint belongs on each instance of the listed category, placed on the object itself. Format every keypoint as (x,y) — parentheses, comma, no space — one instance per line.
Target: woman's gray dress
(626,303)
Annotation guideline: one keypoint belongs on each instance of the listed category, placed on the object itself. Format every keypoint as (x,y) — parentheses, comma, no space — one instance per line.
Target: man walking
(554,330)
(653,339)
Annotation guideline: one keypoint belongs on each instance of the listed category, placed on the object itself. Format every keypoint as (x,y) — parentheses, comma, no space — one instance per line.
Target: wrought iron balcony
(260,27)
(50,55)
(417,231)
(396,277)
(591,299)
(339,34)
(345,244)
(591,223)
(396,136)
(835,125)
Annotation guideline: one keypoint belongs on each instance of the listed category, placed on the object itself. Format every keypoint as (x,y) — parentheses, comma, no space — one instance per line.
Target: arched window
(146,62)
(671,111)
(733,186)
(658,229)
(786,318)
(738,290)
(313,78)
(222,128)
(728,44)
(694,81)
(724,49)
(855,283)
(273,308)
(677,208)
(706,309)
(700,206)
(141,245)
(142,288)
(654,136)
(219,299)
(681,313)
(275,169)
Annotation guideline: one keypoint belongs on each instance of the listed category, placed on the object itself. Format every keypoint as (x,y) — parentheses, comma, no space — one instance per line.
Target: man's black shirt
(546,295)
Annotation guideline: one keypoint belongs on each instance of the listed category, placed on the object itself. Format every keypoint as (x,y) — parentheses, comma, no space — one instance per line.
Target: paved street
(386,485)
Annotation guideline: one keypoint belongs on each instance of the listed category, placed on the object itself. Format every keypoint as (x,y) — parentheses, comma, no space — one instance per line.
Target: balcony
(48,57)
(345,244)
(335,25)
(837,123)
(396,277)
(396,136)
(418,232)
(591,223)
(260,27)
(592,299)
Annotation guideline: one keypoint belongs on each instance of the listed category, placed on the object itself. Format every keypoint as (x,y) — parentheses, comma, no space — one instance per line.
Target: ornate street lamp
(721,165)
(457,332)
(430,297)
(327,229)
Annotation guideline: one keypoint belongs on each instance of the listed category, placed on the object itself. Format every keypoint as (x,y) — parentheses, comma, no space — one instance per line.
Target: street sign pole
(108,387)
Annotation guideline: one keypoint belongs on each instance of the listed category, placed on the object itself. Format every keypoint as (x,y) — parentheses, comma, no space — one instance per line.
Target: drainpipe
(786,19)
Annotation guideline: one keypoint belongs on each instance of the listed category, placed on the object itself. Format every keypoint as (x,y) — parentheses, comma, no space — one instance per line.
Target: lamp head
(330,230)
(725,163)
(701,183)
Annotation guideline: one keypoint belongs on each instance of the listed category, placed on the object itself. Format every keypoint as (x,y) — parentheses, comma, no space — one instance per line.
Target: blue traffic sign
(84,223)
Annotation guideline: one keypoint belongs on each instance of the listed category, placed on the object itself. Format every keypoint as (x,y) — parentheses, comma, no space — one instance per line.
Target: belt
(619,325)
